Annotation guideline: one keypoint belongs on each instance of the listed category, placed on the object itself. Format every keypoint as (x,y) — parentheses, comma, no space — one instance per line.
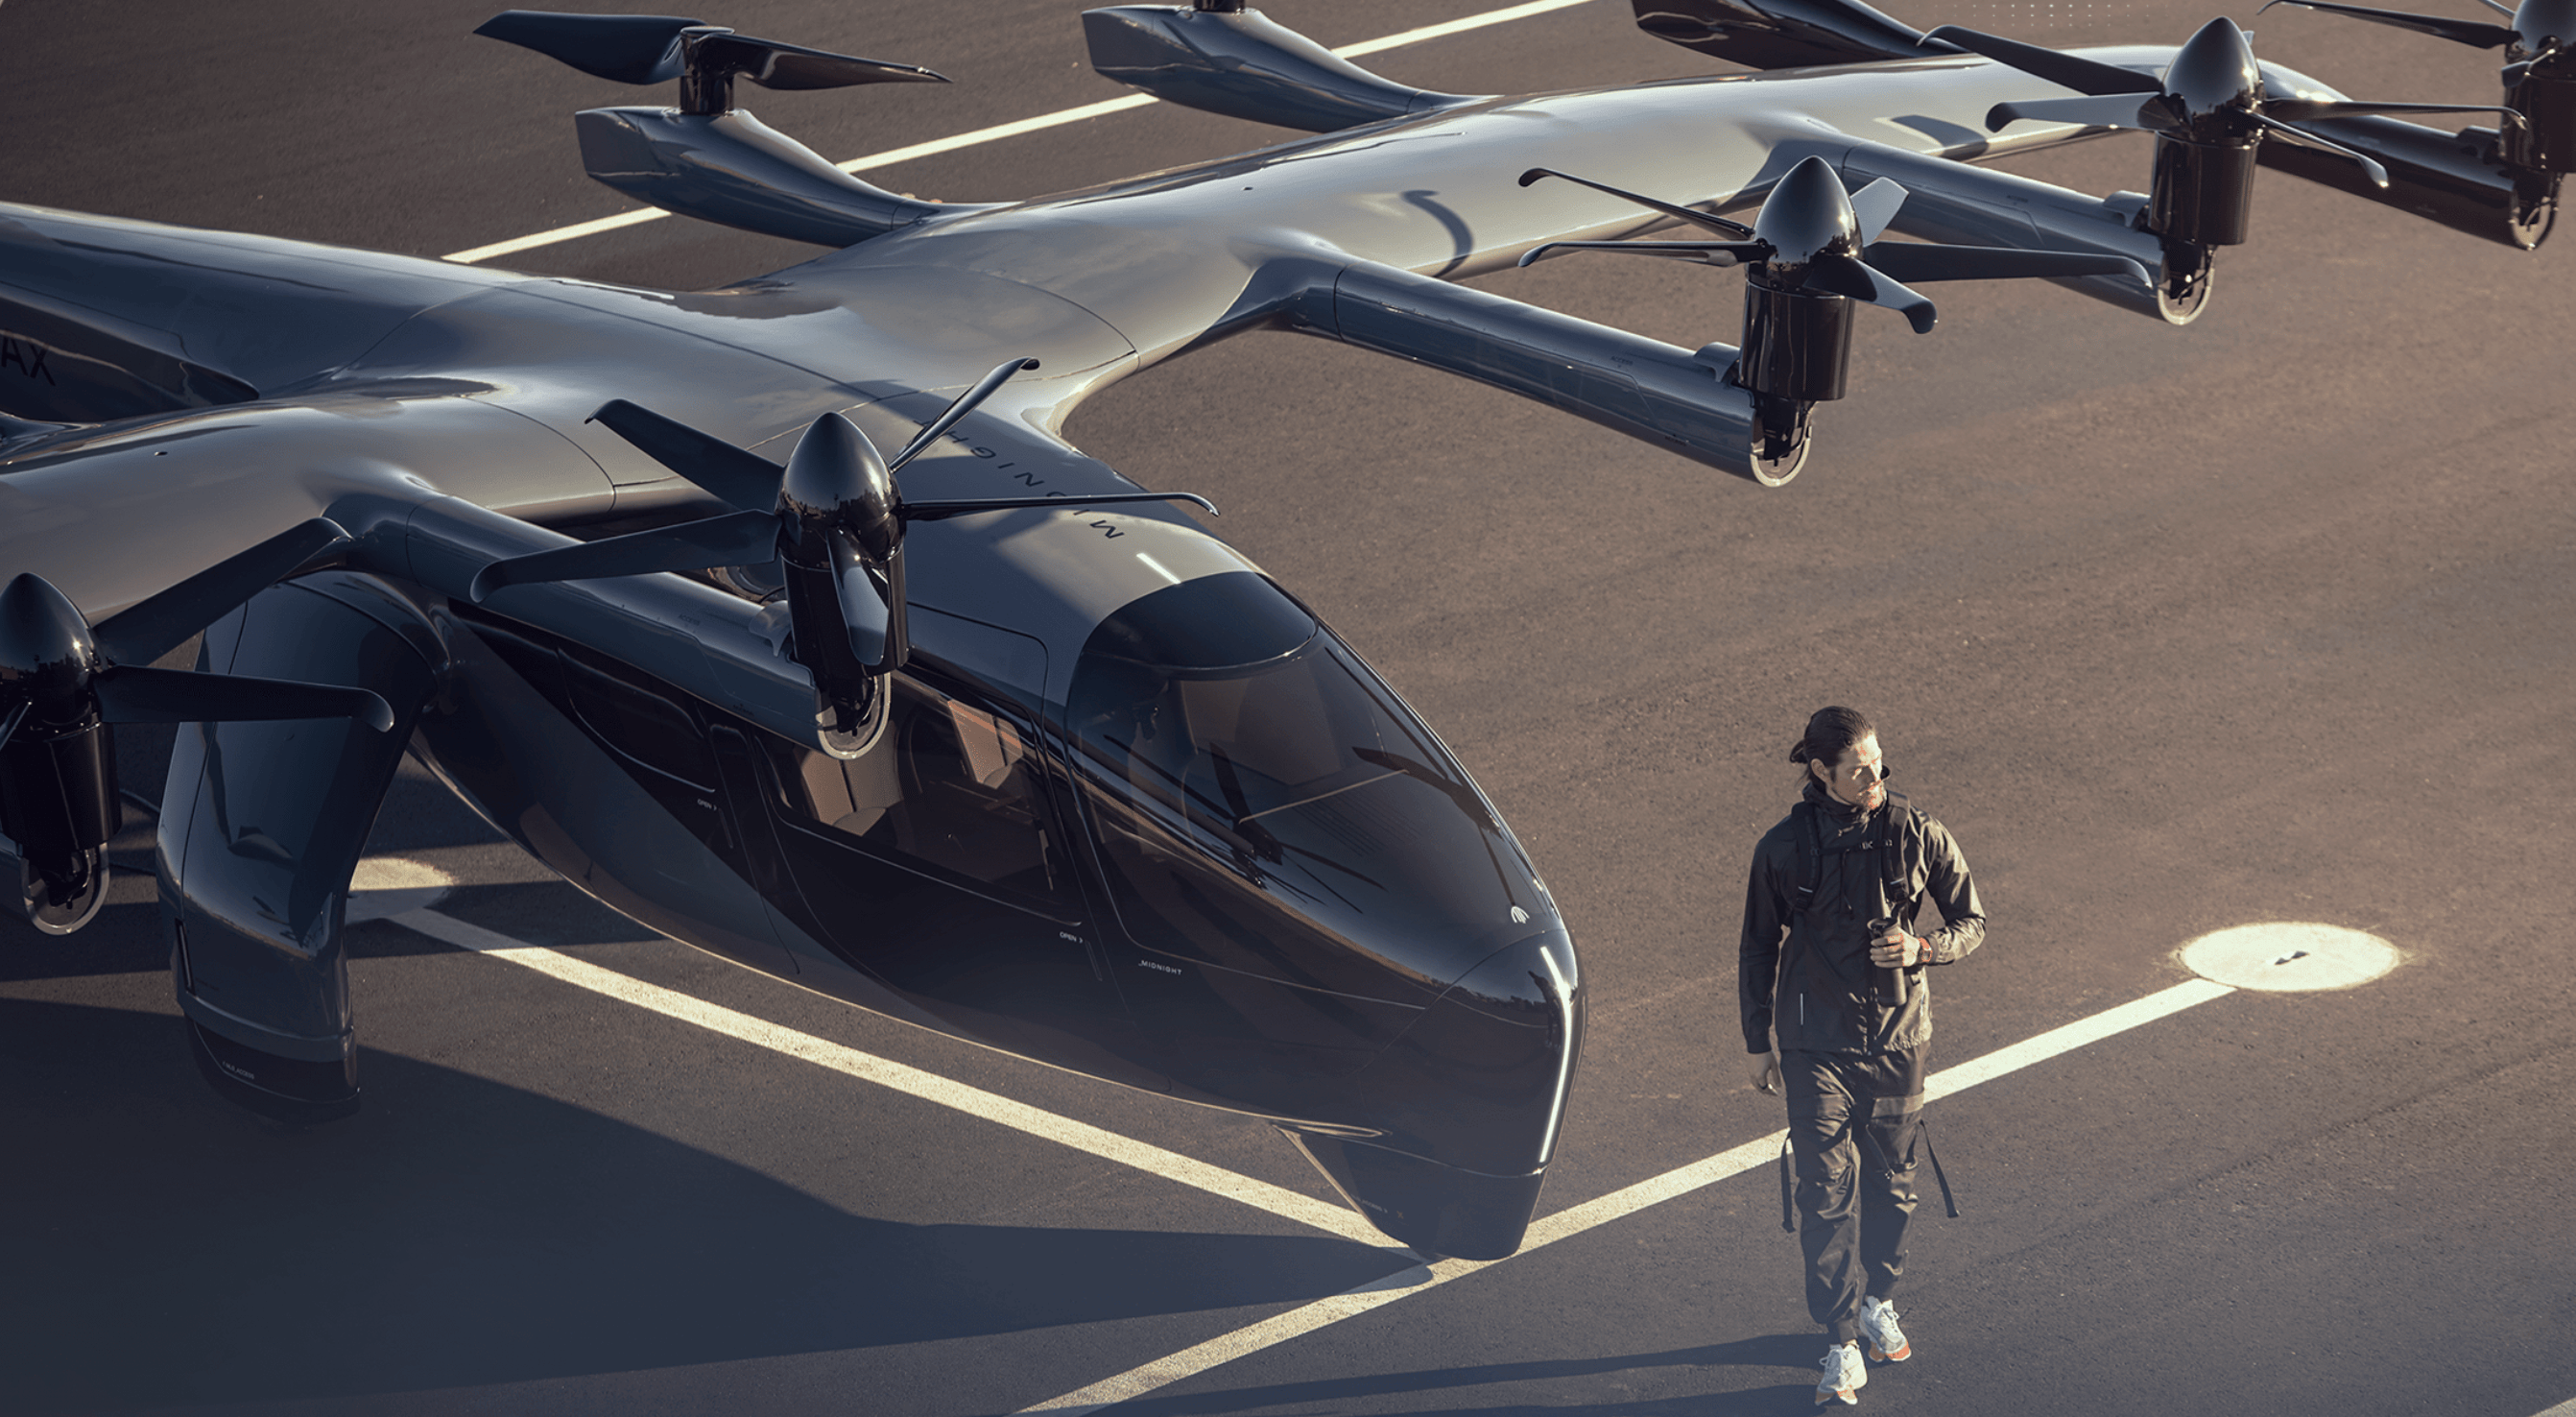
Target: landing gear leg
(1780,430)
(2184,286)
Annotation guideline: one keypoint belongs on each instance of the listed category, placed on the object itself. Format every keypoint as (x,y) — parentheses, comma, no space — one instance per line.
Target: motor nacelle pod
(58,808)
(2203,193)
(2546,140)
(1796,354)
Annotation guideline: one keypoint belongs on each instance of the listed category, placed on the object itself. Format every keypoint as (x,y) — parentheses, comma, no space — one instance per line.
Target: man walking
(1842,877)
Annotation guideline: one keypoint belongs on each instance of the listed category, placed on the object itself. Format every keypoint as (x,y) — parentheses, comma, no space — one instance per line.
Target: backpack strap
(1896,883)
(1810,844)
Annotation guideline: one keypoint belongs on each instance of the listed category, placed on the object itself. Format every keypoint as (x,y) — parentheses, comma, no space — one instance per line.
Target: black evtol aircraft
(980,735)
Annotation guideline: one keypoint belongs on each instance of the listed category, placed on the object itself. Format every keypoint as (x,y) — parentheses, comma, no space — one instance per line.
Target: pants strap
(1937,1173)
(1788,1215)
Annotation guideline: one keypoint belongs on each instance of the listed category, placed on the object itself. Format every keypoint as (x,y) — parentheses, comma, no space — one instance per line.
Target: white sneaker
(1878,1326)
(1845,1375)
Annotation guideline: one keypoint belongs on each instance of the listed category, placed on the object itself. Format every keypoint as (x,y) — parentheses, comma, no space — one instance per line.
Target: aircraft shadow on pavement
(1780,1350)
(168,1248)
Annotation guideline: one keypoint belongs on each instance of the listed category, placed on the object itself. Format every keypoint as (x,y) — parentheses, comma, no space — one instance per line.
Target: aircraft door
(936,863)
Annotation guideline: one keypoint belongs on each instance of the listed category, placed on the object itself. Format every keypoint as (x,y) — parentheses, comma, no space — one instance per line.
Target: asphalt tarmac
(2264,619)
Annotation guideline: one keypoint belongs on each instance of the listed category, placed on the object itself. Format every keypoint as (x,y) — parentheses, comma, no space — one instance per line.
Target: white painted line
(1458,26)
(1601,1210)
(999,131)
(929,1087)
(2069,1037)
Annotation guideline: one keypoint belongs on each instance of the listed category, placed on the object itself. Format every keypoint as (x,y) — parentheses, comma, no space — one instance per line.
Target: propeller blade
(627,49)
(2473,33)
(734,539)
(1875,205)
(1715,253)
(1702,220)
(965,405)
(736,477)
(2378,175)
(865,610)
(1913,262)
(141,694)
(773,65)
(2087,76)
(939,511)
(151,628)
(2293,110)
(1837,274)
(2111,110)
(9,725)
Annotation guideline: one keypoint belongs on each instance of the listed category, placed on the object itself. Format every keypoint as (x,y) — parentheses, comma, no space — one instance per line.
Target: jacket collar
(1837,811)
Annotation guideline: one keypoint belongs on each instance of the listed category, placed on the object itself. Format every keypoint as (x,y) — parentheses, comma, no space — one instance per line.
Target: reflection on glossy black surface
(1279,812)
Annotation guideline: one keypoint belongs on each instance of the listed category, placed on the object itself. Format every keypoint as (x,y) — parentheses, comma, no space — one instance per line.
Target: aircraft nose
(1468,1103)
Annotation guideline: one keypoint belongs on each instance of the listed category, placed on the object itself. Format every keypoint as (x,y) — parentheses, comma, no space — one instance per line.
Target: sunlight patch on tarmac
(2287,956)
(386,886)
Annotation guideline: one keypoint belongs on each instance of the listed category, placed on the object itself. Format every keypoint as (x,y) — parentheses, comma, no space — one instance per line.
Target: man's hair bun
(1830,733)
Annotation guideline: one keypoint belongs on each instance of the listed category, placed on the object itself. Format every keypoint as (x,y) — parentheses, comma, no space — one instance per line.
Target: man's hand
(1896,948)
(1766,1072)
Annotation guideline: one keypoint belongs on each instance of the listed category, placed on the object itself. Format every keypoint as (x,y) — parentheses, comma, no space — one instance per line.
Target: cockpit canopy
(1219,725)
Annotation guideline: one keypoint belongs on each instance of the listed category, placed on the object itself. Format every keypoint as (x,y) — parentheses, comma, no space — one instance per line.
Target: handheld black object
(1891,981)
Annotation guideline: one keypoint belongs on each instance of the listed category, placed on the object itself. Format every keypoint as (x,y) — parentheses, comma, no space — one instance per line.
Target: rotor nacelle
(833,520)
(1808,260)
(63,682)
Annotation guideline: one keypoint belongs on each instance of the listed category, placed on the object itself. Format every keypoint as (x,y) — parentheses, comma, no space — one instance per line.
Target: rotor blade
(2370,167)
(734,539)
(1715,253)
(151,628)
(9,725)
(2110,110)
(1875,205)
(738,477)
(1702,220)
(864,609)
(965,405)
(1837,274)
(773,65)
(629,49)
(938,511)
(2293,110)
(2473,33)
(1913,262)
(141,694)
(2082,75)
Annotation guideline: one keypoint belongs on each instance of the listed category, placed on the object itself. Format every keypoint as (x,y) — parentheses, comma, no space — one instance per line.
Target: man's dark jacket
(1818,991)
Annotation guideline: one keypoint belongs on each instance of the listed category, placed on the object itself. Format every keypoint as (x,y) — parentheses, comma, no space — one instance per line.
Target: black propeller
(63,681)
(1813,235)
(56,668)
(653,49)
(833,520)
(2539,76)
(2211,94)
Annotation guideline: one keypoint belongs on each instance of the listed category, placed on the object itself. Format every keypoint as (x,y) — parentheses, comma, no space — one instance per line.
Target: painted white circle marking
(2289,955)
(386,886)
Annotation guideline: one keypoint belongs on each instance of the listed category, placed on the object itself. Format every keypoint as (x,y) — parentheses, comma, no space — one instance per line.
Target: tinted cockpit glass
(1257,788)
